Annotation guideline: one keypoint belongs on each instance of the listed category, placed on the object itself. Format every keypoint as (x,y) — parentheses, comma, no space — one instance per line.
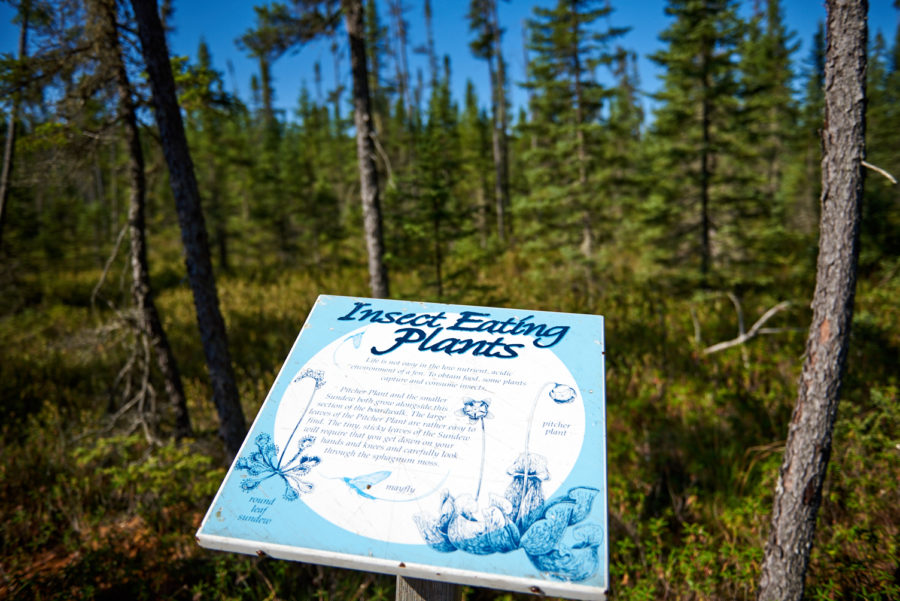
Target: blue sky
(221,22)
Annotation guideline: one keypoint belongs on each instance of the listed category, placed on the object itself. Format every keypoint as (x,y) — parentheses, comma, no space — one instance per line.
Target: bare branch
(755,330)
(878,169)
(698,338)
(109,262)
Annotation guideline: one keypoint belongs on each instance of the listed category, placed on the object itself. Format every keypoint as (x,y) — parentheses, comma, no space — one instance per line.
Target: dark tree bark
(365,149)
(798,493)
(149,321)
(232,425)
(501,123)
(10,146)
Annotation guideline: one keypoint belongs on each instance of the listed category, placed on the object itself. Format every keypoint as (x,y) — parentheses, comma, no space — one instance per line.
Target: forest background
(681,217)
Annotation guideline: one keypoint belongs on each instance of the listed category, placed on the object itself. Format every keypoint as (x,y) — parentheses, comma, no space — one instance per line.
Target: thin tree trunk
(432,55)
(232,425)
(265,84)
(395,7)
(338,88)
(502,120)
(500,206)
(705,176)
(499,144)
(150,323)
(587,229)
(587,232)
(10,146)
(365,149)
(798,493)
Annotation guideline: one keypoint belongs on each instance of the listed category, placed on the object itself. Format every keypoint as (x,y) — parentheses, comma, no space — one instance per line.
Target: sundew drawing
(553,533)
(262,464)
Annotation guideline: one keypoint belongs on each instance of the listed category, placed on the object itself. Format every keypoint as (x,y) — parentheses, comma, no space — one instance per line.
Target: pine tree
(767,133)
(484,21)
(437,175)
(376,50)
(475,162)
(569,183)
(697,204)
(881,203)
(802,179)
(272,36)
(208,109)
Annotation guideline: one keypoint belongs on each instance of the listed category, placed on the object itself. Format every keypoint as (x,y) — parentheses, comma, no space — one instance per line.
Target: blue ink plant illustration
(477,411)
(262,464)
(552,533)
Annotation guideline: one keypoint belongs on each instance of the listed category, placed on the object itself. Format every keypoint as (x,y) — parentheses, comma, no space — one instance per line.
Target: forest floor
(95,504)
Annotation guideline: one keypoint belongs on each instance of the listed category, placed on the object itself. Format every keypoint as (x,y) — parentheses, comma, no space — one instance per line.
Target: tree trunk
(10,146)
(500,122)
(150,323)
(395,7)
(705,176)
(365,149)
(798,493)
(232,425)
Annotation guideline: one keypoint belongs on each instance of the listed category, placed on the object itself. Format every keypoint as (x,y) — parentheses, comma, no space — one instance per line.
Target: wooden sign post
(441,443)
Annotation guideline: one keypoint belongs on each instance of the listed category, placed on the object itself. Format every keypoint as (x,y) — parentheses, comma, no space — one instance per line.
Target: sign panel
(455,443)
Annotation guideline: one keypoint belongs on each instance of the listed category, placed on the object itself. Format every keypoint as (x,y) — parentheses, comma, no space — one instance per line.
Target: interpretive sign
(454,443)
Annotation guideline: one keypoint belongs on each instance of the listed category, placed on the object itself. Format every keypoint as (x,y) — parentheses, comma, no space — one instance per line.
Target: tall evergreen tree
(802,180)
(438,173)
(881,203)
(695,131)
(767,134)
(377,49)
(569,184)
(208,109)
(475,161)
(267,42)
(485,23)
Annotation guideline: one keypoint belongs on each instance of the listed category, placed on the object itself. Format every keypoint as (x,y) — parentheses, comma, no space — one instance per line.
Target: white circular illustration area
(394,429)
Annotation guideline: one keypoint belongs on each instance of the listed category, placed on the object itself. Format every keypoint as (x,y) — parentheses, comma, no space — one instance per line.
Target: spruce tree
(881,202)
(802,180)
(485,23)
(475,162)
(207,111)
(569,184)
(767,133)
(696,203)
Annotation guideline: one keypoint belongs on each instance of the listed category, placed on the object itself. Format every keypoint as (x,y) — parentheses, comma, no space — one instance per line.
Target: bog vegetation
(683,227)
